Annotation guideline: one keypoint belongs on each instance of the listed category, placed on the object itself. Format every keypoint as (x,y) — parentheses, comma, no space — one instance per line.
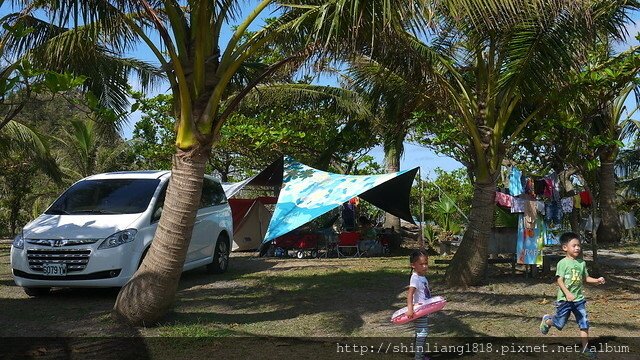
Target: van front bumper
(104,267)
(108,278)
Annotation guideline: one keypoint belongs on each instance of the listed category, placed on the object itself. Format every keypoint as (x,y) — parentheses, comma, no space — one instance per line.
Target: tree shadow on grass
(341,300)
(239,266)
(67,324)
(344,296)
(75,348)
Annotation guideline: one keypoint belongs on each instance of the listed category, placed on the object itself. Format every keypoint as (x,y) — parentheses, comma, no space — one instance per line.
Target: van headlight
(18,242)
(118,239)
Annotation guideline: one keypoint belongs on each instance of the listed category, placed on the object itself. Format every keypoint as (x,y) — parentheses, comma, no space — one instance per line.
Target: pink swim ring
(432,305)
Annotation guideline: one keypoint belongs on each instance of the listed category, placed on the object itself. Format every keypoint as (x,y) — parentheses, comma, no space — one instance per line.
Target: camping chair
(330,242)
(371,247)
(348,240)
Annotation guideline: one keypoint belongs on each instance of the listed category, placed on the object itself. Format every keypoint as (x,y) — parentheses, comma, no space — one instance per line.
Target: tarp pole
(421,238)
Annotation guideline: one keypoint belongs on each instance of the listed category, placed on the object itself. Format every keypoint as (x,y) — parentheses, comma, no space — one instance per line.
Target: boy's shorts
(565,308)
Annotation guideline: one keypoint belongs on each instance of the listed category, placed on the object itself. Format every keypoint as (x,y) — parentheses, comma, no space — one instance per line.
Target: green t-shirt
(573,272)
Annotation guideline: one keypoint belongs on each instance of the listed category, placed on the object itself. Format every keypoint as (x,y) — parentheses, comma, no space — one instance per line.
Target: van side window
(212,194)
(157,208)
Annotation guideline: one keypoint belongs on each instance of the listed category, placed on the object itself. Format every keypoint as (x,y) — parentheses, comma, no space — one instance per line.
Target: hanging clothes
(628,220)
(538,187)
(548,188)
(567,204)
(555,187)
(566,182)
(515,182)
(591,224)
(530,242)
(585,198)
(553,212)
(504,199)
(529,187)
(577,201)
(517,205)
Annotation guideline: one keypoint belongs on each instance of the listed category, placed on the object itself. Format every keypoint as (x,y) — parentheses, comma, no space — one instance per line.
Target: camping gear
(303,244)
(348,244)
(432,305)
(250,221)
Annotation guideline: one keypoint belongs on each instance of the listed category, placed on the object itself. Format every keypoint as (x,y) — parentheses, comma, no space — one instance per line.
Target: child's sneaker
(544,328)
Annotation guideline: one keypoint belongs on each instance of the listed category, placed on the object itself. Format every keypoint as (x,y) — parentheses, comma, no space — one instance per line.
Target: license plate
(54,269)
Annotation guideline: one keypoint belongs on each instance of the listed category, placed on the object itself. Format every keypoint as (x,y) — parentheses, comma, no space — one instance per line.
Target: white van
(99,230)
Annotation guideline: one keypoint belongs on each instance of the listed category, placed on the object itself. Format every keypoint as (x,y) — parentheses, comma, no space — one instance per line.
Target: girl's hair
(416,255)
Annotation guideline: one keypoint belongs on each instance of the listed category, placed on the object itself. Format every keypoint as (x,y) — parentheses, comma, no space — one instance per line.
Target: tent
(251,216)
(270,176)
(308,193)
(250,221)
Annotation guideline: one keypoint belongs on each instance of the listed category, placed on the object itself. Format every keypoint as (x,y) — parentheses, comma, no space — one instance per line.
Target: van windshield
(110,196)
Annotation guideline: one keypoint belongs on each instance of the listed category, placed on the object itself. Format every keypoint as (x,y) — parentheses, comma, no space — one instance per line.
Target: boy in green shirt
(570,274)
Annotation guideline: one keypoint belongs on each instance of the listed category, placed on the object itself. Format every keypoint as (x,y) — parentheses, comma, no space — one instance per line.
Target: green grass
(197,329)
(317,298)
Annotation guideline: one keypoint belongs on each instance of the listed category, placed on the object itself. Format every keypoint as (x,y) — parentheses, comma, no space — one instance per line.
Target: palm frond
(92,49)
(330,98)
(20,138)
(493,16)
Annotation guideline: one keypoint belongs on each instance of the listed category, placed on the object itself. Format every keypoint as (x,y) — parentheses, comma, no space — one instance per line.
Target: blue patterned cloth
(308,193)
(515,182)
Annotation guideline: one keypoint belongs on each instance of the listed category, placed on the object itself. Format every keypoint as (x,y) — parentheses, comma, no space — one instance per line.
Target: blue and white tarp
(308,193)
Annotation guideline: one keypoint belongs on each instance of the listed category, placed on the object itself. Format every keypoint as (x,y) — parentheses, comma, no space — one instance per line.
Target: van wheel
(36,291)
(220,257)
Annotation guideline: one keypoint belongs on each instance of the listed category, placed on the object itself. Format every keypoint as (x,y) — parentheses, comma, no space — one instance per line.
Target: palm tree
(611,128)
(85,152)
(499,76)
(24,151)
(394,97)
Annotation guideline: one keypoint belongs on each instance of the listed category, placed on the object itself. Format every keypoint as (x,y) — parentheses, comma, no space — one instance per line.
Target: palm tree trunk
(609,229)
(470,260)
(392,153)
(150,292)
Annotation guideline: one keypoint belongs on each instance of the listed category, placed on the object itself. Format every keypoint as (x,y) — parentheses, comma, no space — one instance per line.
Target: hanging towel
(505,200)
(515,182)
